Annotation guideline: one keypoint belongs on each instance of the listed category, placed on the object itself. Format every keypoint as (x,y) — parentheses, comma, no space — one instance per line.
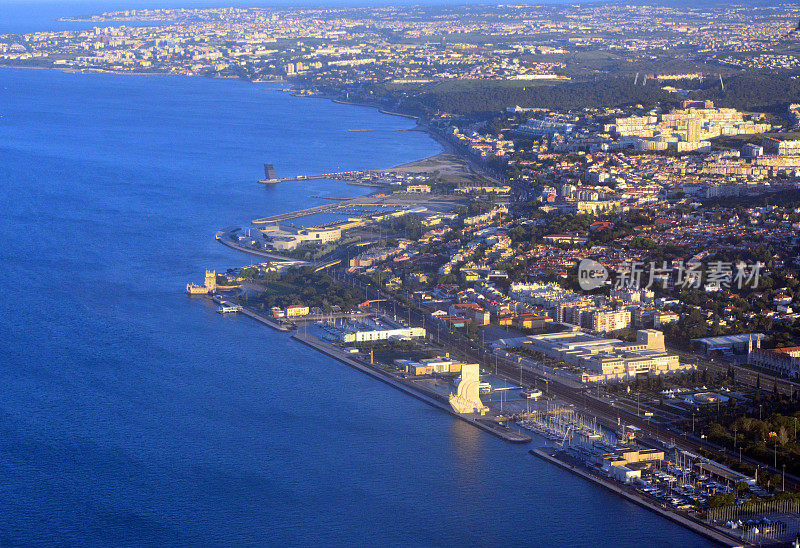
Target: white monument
(467,397)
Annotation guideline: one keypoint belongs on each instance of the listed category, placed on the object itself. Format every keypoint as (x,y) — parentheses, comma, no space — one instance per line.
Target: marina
(553,456)
(561,424)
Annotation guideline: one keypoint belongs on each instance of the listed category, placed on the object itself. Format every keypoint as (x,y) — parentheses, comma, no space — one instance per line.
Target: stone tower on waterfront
(211,281)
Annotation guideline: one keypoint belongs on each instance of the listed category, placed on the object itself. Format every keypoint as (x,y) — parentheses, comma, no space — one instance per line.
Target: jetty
(316,210)
(327,208)
(338,175)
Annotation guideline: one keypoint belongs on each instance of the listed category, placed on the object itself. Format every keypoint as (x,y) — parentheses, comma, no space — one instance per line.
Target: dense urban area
(605,255)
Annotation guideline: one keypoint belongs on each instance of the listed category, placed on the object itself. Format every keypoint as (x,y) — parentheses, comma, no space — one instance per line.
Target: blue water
(133,415)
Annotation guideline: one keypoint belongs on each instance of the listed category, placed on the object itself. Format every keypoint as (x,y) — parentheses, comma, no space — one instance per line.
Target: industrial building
(375,329)
(603,359)
(289,238)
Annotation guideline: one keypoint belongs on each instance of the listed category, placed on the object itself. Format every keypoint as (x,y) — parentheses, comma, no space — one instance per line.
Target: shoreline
(688,523)
(264,254)
(69,70)
(504,433)
(291,88)
(511,436)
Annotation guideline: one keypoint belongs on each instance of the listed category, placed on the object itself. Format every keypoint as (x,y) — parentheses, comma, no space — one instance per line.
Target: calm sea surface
(132,415)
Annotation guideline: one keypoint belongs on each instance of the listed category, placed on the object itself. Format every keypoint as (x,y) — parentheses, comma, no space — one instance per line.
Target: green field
(467,85)
(755,138)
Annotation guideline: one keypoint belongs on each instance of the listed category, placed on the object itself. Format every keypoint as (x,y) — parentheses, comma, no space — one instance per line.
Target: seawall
(699,528)
(503,433)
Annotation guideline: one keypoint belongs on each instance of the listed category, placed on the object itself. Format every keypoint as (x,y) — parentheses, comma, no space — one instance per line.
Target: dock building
(429,366)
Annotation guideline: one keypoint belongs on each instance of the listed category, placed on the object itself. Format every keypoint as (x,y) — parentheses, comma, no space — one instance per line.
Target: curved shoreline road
(225,237)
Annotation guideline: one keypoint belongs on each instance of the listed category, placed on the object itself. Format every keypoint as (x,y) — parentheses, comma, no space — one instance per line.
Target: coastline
(289,87)
(72,70)
(239,372)
(374,374)
(330,351)
(504,433)
(422,126)
(68,70)
(692,525)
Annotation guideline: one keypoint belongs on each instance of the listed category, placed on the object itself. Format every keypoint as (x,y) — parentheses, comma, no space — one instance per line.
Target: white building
(370,329)
(604,359)
(288,238)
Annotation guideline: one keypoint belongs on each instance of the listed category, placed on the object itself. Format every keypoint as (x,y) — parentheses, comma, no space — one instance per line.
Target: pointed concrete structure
(467,397)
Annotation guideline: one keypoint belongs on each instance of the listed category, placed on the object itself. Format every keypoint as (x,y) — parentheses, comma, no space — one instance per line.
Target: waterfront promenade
(263,319)
(486,424)
(696,526)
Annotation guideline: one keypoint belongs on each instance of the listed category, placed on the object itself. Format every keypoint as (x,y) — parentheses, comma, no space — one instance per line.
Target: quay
(263,319)
(432,399)
(693,525)
(327,208)
(316,210)
(335,175)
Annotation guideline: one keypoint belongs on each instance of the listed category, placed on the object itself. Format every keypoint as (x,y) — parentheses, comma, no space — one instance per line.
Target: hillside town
(416,45)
